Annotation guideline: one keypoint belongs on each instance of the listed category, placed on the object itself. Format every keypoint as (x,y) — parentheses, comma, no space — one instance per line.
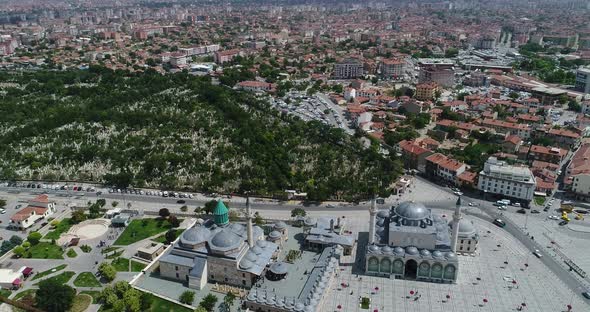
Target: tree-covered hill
(174,131)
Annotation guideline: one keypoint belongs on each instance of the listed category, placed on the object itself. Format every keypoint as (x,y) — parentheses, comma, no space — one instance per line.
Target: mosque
(409,242)
(218,251)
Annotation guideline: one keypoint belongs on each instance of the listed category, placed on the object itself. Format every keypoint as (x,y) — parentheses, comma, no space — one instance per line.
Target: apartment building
(426,91)
(507,181)
(521,130)
(583,80)
(349,68)
(442,74)
(442,167)
(392,68)
(581,186)
(548,154)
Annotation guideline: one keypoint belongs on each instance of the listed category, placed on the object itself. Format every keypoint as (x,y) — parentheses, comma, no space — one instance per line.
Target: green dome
(221,213)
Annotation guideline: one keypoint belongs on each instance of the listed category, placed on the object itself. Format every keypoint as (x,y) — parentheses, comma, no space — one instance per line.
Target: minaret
(373,217)
(249,220)
(456,218)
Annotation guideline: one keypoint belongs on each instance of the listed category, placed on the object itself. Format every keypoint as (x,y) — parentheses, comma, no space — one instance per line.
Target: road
(482,209)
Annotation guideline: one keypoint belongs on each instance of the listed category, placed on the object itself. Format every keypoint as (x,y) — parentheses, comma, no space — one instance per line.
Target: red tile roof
(445,162)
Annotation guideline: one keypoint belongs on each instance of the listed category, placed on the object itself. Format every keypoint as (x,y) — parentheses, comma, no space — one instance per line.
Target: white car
(553,217)
(537,253)
(502,207)
(2,210)
(190,195)
(458,193)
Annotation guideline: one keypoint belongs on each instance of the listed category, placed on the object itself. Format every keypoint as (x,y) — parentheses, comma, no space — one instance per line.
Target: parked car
(502,207)
(563,223)
(516,204)
(535,211)
(2,210)
(537,253)
(458,193)
(586,294)
(553,217)
(546,208)
(521,211)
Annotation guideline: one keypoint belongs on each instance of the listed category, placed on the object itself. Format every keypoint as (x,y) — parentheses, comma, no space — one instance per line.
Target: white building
(514,182)
(581,185)
(38,208)
(583,80)
(10,279)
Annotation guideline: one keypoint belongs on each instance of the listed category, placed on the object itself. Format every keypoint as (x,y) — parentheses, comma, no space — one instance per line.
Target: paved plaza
(485,276)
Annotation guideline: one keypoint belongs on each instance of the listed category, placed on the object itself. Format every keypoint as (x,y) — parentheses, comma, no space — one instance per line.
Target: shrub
(34,238)
(187,297)
(107,271)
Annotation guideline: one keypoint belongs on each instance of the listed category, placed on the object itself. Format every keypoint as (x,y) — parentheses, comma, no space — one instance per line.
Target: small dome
(374,248)
(252,295)
(398,250)
(280,225)
(246,264)
(309,308)
(251,256)
(412,250)
(261,244)
(412,211)
(437,254)
(274,235)
(383,214)
(380,222)
(225,239)
(466,227)
(299,306)
(309,221)
(195,235)
(450,255)
(257,250)
(279,268)
(386,249)
(425,253)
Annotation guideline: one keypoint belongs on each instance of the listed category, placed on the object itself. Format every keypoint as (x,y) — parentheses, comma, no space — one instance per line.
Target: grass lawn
(5,293)
(540,200)
(62,278)
(92,293)
(159,304)
(162,238)
(86,279)
(114,255)
(24,293)
(44,273)
(71,253)
(63,226)
(44,250)
(81,303)
(142,229)
(86,248)
(122,265)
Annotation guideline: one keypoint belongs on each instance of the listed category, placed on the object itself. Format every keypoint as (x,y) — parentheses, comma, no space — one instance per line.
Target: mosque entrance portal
(411,269)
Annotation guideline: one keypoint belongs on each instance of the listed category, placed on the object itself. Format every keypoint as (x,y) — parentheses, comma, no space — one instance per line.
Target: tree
(78,216)
(115,203)
(229,299)
(174,222)
(574,106)
(208,303)
(210,206)
(184,208)
(298,212)
(2,203)
(258,219)
(52,296)
(164,213)
(513,95)
(170,236)
(107,271)
(19,251)
(34,238)
(16,240)
(187,297)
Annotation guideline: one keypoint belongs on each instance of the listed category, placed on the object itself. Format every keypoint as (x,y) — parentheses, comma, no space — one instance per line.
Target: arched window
(437,270)
(373,264)
(424,269)
(398,266)
(450,272)
(385,265)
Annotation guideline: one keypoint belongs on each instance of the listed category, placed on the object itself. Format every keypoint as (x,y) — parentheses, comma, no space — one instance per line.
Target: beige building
(581,186)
